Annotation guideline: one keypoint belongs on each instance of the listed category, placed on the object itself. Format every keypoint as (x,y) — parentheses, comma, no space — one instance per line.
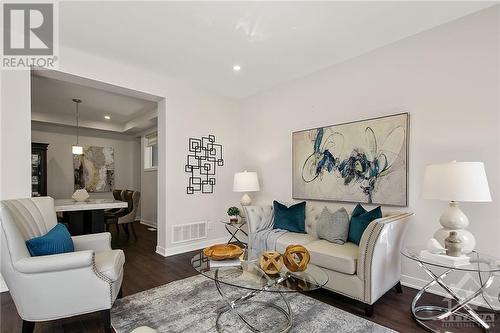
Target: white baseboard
(161,251)
(190,247)
(148,223)
(418,284)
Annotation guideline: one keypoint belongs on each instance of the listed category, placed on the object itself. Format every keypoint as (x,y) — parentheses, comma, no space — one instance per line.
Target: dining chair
(117,195)
(133,198)
(127,215)
(111,215)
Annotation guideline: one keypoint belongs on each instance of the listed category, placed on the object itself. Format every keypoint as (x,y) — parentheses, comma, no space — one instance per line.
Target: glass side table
(233,229)
(482,269)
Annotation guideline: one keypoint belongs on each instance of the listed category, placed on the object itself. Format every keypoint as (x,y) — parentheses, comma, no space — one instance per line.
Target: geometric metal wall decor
(202,160)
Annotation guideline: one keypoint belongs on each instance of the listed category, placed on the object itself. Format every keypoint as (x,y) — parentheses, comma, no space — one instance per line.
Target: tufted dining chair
(61,285)
(133,198)
(126,216)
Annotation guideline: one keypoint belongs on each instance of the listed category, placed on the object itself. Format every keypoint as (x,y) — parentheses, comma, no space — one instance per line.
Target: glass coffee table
(250,280)
(481,270)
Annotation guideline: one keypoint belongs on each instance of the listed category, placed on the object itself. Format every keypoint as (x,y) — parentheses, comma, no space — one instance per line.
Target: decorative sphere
(296,258)
(271,262)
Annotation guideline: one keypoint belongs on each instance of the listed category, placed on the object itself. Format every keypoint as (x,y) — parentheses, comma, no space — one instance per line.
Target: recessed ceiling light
(107,117)
(236,68)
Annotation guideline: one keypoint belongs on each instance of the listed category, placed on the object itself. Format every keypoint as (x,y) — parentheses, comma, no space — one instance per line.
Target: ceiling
(52,103)
(274,42)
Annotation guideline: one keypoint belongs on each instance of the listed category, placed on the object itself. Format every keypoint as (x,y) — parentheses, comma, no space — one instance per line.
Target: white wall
(149,188)
(60,178)
(15,135)
(446,78)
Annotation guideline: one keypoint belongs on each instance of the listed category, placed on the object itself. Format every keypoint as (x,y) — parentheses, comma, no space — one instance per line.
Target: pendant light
(77,149)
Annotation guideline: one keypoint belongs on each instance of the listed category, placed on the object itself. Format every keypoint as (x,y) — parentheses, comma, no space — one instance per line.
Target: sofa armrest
(379,261)
(55,262)
(97,242)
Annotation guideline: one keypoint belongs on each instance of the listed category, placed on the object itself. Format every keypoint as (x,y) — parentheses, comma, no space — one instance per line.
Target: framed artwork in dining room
(94,170)
(361,161)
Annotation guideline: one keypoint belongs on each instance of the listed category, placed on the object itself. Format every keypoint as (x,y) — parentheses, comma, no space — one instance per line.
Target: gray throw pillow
(334,227)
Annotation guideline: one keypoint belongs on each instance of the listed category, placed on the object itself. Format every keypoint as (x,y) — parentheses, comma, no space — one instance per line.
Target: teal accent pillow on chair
(57,240)
(360,219)
(291,218)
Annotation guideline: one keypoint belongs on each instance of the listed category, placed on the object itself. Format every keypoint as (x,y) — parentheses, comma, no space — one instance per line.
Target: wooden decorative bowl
(271,262)
(222,251)
(296,258)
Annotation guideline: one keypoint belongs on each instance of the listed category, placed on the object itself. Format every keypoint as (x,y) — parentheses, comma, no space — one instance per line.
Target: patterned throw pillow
(334,227)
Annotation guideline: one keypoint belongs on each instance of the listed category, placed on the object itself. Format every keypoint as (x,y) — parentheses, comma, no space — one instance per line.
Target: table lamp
(246,182)
(454,182)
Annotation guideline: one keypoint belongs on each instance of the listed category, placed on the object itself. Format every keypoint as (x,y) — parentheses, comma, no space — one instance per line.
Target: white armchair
(61,285)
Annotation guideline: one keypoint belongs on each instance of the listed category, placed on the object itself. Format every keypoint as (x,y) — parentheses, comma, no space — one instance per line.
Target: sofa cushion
(360,220)
(333,227)
(294,238)
(110,263)
(336,257)
(290,218)
(57,240)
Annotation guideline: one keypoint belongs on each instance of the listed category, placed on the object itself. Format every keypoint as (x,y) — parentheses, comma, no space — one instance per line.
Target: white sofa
(60,285)
(364,272)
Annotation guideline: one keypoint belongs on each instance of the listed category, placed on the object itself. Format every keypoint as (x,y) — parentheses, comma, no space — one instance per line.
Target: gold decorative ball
(296,258)
(271,262)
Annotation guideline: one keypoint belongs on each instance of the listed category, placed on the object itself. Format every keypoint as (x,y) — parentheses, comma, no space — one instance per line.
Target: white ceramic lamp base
(453,219)
(246,200)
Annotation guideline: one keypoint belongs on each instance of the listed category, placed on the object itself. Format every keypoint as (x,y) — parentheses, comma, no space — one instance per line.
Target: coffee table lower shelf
(233,304)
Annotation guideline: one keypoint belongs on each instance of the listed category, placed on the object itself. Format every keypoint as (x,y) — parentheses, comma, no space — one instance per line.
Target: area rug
(192,305)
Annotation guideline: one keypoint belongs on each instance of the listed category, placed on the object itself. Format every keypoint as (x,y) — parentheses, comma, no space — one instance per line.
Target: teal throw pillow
(358,210)
(360,220)
(290,218)
(57,240)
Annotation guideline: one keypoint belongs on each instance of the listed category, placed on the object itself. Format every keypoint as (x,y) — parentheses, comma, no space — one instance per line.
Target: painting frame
(404,195)
(94,170)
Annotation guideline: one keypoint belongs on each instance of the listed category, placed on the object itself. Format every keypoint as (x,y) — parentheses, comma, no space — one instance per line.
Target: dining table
(86,217)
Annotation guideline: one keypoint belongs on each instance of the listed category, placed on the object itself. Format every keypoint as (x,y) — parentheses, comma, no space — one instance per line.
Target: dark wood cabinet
(39,169)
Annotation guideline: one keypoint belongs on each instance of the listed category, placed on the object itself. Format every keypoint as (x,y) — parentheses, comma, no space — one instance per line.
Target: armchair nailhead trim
(104,278)
(375,232)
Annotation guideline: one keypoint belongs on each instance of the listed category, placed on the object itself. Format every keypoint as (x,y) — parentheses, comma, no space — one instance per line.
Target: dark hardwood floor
(144,269)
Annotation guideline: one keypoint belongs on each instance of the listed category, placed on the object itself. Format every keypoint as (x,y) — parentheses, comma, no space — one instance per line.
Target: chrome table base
(461,309)
(233,304)
(236,228)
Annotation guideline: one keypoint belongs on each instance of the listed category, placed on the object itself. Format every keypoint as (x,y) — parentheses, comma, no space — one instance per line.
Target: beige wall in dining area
(127,153)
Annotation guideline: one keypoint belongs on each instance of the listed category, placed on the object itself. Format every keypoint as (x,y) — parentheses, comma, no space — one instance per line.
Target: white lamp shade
(77,150)
(246,182)
(456,181)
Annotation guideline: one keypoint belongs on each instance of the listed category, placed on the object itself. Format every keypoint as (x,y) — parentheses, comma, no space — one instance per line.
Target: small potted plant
(233,213)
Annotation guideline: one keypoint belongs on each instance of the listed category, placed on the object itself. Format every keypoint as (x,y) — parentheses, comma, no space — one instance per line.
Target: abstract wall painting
(364,161)
(203,158)
(95,169)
